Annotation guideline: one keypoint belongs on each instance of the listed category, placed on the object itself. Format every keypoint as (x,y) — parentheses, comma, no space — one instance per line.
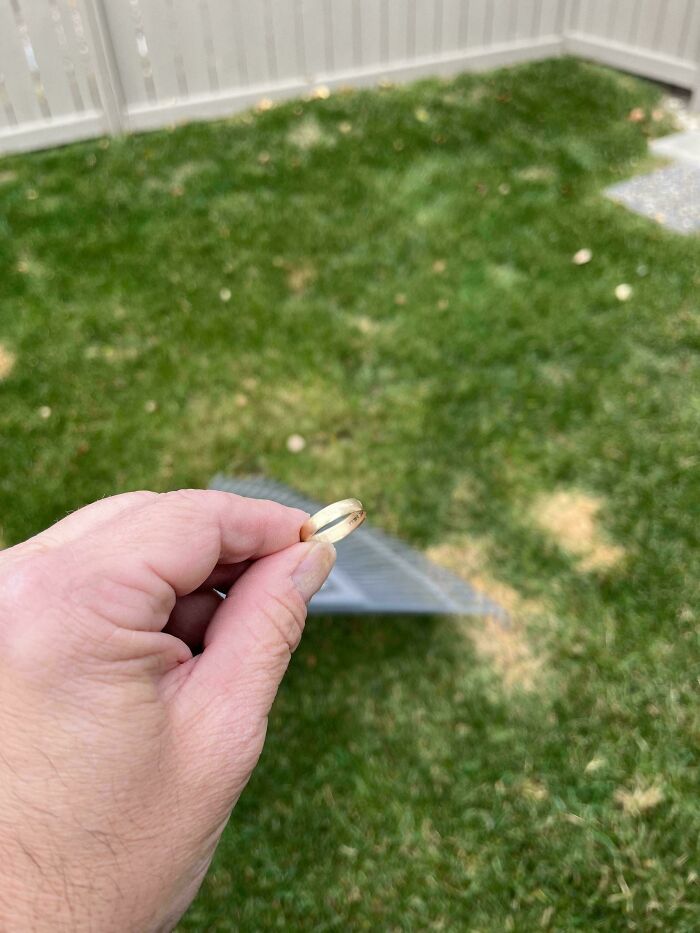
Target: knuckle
(27,623)
(24,581)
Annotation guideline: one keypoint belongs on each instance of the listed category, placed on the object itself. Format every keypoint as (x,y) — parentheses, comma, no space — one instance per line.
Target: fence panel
(74,68)
(370,15)
(15,75)
(656,38)
(48,75)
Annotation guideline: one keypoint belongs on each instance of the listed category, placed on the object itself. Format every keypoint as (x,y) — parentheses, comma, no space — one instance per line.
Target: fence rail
(72,69)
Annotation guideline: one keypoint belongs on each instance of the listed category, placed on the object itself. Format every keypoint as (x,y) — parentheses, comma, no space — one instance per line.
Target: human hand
(121,753)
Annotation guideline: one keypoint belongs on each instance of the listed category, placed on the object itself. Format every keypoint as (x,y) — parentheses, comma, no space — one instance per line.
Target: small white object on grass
(295,443)
(581,257)
(623,292)
(225,294)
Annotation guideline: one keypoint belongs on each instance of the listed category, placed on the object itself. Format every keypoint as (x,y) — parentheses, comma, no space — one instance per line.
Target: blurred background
(441,255)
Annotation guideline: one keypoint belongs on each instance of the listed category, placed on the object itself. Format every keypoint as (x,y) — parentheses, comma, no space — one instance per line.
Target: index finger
(181,537)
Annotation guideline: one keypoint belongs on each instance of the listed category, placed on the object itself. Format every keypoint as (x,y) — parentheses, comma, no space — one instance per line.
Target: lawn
(389,275)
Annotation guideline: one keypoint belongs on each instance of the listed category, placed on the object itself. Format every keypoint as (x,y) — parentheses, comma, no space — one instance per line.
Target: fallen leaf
(582,256)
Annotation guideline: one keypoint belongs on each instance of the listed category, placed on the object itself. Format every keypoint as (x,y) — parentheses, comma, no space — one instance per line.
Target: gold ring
(349,510)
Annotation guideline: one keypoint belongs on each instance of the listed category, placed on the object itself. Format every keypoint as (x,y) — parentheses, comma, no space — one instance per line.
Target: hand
(121,753)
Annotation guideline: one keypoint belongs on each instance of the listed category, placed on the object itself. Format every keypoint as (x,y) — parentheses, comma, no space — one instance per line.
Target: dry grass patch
(300,277)
(308,133)
(544,173)
(183,173)
(640,799)
(366,325)
(570,518)
(7,362)
(504,644)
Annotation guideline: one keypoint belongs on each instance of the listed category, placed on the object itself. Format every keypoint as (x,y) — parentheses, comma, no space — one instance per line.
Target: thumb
(250,640)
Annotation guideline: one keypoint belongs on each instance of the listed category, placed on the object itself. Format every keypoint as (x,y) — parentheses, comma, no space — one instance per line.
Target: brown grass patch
(502,644)
(556,374)
(640,799)
(309,133)
(7,362)
(366,325)
(570,517)
(187,170)
(300,277)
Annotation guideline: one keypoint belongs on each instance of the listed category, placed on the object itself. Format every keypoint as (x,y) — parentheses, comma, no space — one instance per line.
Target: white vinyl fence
(72,69)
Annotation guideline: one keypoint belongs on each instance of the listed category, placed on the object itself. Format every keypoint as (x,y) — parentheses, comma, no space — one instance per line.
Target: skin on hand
(122,753)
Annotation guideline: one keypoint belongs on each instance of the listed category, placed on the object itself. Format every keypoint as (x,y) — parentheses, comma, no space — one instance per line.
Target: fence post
(565,18)
(107,70)
(695,92)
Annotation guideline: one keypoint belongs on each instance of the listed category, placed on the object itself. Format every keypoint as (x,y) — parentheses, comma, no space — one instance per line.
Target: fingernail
(312,571)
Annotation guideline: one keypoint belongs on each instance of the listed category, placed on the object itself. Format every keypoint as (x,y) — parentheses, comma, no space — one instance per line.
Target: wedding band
(350,510)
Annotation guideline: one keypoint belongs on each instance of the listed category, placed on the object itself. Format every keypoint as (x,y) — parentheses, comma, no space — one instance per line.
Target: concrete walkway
(669,195)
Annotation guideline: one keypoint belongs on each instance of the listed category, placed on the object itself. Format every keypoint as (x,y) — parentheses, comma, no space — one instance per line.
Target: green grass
(408,783)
